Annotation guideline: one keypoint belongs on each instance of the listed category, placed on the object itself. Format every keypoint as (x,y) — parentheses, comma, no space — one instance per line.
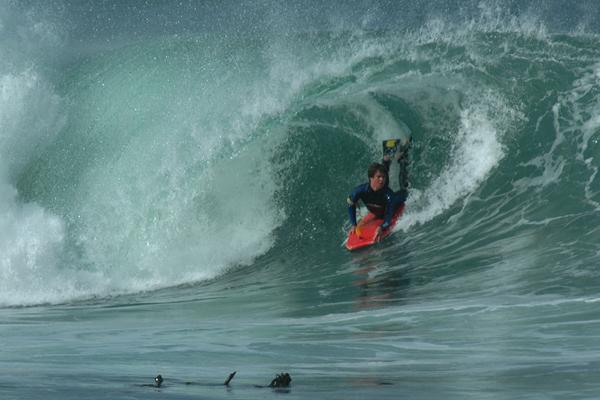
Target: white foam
(493,17)
(477,150)
(31,241)
(30,238)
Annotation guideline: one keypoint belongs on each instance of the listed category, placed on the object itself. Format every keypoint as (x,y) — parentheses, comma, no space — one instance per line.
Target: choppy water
(172,199)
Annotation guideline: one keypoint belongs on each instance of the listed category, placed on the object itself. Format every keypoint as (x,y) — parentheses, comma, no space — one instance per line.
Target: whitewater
(173,183)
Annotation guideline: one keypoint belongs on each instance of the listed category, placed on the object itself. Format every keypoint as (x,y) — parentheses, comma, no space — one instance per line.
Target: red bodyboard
(364,235)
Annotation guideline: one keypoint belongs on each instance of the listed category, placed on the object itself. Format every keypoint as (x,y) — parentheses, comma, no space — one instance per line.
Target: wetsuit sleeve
(352,212)
(352,201)
(389,211)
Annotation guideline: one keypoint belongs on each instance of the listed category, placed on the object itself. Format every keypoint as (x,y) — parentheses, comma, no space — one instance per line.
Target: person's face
(377,181)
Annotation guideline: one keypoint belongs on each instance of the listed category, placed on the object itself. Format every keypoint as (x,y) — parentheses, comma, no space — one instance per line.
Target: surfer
(376,193)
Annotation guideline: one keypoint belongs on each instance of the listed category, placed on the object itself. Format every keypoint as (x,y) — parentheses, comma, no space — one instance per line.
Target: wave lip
(477,150)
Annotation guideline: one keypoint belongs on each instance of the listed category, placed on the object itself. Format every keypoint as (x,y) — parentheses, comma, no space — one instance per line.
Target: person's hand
(386,158)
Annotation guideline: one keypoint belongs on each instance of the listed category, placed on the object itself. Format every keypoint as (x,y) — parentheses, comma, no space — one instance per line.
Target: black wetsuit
(384,202)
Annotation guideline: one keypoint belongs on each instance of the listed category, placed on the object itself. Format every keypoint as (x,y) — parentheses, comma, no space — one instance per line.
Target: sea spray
(31,238)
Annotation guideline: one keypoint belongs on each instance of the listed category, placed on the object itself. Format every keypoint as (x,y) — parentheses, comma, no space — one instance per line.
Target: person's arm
(352,202)
(389,212)
(352,211)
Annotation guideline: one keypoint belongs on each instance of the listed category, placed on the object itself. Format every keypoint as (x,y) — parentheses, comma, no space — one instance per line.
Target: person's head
(377,176)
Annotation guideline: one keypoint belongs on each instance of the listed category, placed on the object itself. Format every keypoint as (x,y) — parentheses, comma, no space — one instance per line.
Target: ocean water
(173,179)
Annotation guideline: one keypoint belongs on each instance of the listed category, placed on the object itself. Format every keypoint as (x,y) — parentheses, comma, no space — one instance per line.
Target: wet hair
(376,167)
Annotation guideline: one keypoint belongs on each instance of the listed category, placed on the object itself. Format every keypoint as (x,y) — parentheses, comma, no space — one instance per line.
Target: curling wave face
(173,160)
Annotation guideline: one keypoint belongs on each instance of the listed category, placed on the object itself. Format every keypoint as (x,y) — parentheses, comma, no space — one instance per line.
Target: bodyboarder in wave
(376,193)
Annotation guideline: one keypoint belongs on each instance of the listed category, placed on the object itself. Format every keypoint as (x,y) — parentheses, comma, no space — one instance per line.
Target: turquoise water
(172,200)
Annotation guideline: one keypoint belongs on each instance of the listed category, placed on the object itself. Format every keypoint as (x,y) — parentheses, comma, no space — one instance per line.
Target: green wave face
(174,160)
